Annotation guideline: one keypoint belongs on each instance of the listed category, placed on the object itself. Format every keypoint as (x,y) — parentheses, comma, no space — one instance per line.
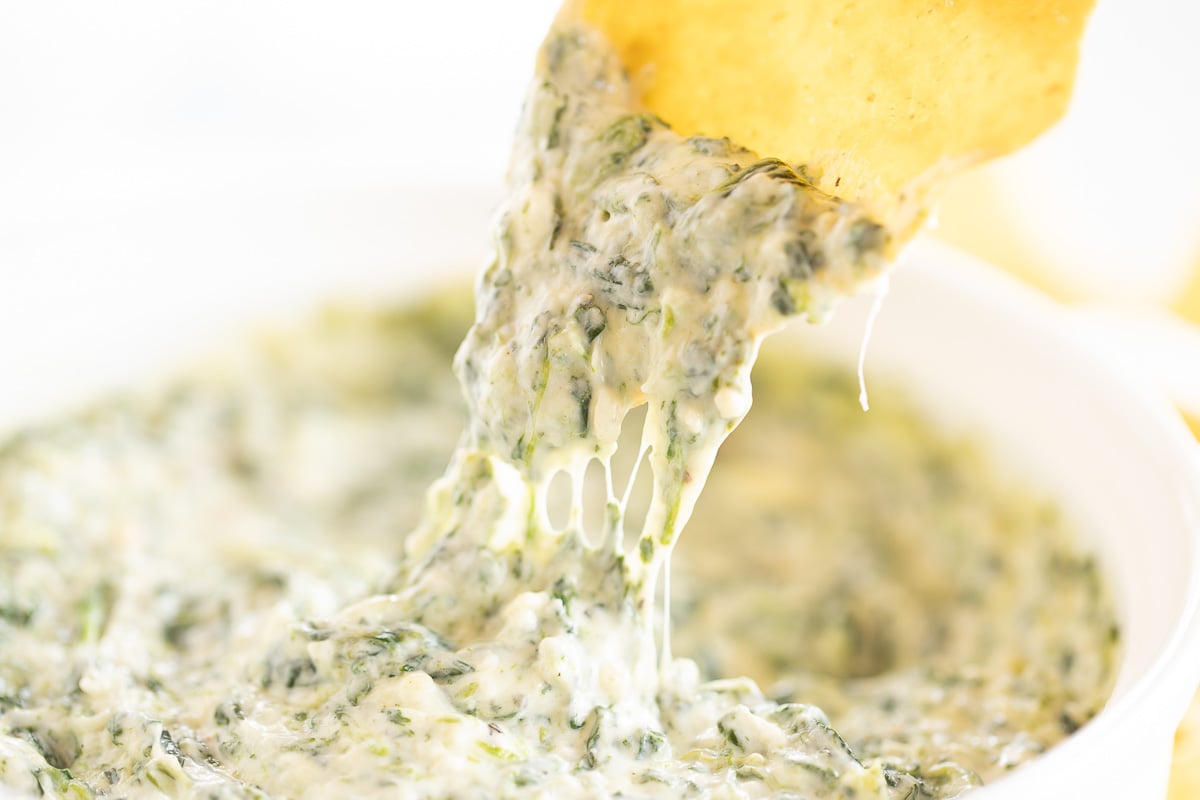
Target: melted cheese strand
(881,289)
(665,647)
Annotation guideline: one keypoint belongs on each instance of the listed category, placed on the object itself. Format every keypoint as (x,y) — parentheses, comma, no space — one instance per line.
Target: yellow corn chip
(1188,301)
(1185,769)
(873,93)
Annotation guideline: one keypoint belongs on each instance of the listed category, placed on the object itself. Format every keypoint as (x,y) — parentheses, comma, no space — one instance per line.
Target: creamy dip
(213,591)
(178,568)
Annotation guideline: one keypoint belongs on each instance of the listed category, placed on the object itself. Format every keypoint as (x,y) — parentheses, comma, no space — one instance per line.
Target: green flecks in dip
(183,573)
(237,587)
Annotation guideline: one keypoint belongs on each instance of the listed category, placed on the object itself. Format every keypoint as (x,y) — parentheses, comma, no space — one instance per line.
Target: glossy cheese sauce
(238,586)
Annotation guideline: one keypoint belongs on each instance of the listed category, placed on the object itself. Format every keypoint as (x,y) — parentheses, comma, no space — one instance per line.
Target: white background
(171,168)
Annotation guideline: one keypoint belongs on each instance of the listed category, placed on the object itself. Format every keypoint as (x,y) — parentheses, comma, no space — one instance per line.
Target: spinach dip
(240,586)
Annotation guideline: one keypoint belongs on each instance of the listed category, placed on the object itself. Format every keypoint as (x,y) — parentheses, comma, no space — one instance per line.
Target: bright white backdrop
(170,169)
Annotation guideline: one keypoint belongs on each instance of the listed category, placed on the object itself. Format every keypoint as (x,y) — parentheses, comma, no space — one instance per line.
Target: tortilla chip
(1188,301)
(874,94)
(1185,766)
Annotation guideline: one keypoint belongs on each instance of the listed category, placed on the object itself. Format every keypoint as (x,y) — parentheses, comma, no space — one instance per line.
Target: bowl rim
(1172,677)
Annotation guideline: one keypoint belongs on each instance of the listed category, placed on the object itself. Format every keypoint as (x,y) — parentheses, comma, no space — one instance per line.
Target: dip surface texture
(237,588)
(178,572)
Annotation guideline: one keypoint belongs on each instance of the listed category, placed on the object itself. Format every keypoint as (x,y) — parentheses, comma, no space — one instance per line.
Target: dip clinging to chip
(874,95)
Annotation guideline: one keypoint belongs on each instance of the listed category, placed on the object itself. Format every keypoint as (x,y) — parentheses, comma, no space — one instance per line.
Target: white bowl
(984,352)
(978,348)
